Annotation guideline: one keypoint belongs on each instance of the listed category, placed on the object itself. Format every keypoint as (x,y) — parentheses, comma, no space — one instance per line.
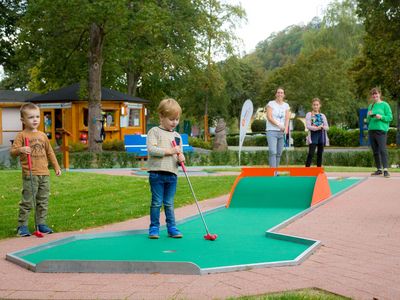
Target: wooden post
(65,148)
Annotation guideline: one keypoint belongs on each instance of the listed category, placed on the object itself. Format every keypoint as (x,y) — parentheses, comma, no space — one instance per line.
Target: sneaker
(174,233)
(43,228)
(377,173)
(154,233)
(386,174)
(23,231)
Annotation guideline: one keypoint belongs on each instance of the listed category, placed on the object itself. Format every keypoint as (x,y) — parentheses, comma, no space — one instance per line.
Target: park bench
(136,144)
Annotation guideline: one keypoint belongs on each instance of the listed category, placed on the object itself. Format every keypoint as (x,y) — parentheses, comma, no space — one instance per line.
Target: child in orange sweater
(41,152)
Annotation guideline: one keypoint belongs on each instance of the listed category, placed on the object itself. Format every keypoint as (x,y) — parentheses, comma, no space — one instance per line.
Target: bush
(113,145)
(391,137)
(258,126)
(199,143)
(299,138)
(82,160)
(343,138)
(105,160)
(77,147)
(298,125)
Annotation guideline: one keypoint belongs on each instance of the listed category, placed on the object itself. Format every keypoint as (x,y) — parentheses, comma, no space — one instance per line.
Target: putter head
(210,237)
(38,234)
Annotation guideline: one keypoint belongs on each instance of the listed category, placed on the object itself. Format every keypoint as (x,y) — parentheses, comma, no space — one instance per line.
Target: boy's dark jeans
(378,139)
(41,186)
(163,188)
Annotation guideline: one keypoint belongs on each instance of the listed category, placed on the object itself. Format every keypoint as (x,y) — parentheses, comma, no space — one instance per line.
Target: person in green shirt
(378,118)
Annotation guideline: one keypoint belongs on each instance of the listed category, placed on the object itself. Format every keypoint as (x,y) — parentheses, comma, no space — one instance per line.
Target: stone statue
(220,143)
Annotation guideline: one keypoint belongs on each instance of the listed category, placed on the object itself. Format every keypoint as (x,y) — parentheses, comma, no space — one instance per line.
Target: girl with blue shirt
(317,126)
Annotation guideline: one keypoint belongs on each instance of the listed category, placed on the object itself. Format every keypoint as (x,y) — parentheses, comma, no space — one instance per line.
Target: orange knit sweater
(41,153)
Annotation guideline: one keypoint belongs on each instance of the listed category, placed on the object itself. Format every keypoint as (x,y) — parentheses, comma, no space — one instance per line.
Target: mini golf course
(259,204)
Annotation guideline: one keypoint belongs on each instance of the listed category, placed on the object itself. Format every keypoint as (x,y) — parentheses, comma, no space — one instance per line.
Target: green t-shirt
(383,109)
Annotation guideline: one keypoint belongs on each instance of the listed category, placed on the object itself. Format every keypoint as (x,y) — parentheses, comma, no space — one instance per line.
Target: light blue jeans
(275,147)
(163,188)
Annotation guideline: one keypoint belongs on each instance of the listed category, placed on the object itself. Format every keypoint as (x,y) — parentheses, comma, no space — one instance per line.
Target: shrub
(343,138)
(82,160)
(298,125)
(199,143)
(113,145)
(232,140)
(391,137)
(105,159)
(77,147)
(258,126)
(299,138)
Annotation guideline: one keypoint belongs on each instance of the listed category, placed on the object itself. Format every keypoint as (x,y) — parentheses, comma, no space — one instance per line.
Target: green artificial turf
(258,204)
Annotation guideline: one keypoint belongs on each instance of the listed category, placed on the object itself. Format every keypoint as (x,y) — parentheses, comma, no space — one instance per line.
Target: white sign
(55,105)
(134,105)
(245,117)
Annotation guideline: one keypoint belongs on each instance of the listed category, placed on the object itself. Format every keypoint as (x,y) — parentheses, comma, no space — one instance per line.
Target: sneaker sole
(154,237)
(178,236)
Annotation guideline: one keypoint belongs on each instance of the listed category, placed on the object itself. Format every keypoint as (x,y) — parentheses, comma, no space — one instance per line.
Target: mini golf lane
(258,204)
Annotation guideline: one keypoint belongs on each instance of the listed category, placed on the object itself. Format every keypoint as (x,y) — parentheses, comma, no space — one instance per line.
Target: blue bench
(136,144)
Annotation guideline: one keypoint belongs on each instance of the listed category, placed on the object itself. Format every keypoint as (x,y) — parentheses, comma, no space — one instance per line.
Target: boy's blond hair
(169,108)
(27,106)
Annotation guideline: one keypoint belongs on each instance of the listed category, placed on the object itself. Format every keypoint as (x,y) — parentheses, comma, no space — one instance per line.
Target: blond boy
(163,161)
(41,153)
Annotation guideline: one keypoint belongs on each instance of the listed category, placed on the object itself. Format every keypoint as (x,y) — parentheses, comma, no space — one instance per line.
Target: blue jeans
(163,188)
(275,147)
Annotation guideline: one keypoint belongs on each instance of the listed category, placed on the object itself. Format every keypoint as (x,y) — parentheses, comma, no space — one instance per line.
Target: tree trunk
(95,66)
(398,123)
(133,79)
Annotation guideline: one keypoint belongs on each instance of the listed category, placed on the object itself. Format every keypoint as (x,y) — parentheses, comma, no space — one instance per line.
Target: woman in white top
(278,115)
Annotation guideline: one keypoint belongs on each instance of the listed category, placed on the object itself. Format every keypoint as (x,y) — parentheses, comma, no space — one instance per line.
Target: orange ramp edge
(321,191)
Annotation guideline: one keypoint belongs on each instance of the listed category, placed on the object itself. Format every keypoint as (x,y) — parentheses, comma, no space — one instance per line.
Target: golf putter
(208,236)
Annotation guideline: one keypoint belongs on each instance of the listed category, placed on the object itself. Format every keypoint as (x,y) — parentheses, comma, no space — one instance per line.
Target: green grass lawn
(305,294)
(84,200)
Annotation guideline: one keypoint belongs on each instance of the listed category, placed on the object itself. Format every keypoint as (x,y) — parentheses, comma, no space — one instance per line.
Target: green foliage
(340,29)
(299,138)
(258,126)
(377,65)
(298,125)
(281,48)
(82,160)
(113,145)
(199,143)
(77,147)
(105,160)
(322,74)
(343,138)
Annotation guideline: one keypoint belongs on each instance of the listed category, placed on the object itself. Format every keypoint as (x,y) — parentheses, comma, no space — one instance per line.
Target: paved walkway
(360,257)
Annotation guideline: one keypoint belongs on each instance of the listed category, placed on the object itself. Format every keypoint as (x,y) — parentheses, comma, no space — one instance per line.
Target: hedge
(113,159)
(295,157)
(338,137)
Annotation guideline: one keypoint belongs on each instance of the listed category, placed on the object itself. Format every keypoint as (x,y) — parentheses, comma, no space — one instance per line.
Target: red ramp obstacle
(321,190)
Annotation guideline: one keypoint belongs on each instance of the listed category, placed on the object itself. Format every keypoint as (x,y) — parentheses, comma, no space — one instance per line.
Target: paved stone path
(359,258)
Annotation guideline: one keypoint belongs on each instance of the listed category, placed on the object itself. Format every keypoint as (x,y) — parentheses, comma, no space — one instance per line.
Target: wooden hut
(65,109)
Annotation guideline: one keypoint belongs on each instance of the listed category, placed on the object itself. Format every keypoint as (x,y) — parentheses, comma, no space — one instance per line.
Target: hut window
(109,116)
(85,117)
(134,117)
